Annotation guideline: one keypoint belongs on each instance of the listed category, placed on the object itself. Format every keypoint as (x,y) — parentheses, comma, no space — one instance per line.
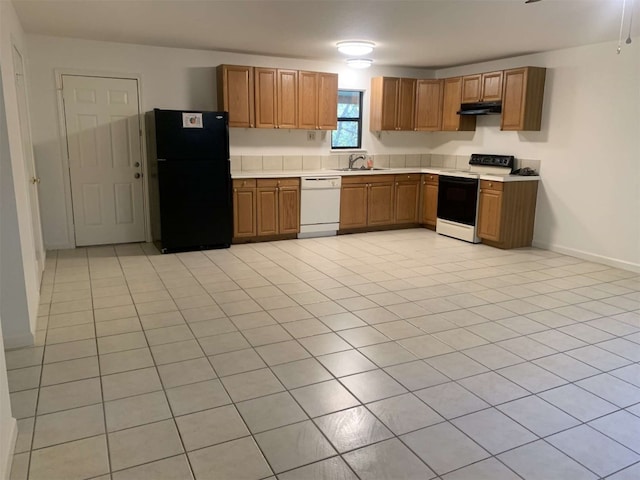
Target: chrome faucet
(354,157)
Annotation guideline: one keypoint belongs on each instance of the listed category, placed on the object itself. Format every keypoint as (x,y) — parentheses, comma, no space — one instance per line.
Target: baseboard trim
(7,456)
(592,257)
(17,341)
(60,246)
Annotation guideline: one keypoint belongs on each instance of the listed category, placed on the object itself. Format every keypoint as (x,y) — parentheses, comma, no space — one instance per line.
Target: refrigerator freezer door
(177,138)
(195,204)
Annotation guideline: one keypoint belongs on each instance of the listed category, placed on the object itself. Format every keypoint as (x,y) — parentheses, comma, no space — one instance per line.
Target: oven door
(458,199)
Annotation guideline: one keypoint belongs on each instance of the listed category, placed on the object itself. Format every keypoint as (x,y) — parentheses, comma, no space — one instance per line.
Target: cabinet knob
(396,184)
(408,176)
(490,184)
(424,183)
(251,125)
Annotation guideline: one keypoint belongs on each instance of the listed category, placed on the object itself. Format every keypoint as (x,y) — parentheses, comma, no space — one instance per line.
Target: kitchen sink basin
(359,169)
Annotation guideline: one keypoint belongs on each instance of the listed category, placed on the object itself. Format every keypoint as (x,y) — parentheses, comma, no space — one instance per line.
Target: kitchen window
(349,131)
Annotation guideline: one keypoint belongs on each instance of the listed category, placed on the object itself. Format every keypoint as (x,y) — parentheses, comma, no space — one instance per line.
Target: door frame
(64,154)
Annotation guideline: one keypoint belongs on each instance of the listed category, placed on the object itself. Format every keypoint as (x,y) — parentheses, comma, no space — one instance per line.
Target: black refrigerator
(190,180)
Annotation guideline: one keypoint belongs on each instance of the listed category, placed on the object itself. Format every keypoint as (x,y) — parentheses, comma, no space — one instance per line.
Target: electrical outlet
(311,136)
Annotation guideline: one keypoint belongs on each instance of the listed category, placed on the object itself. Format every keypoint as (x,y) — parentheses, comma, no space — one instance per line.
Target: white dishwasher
(319,206)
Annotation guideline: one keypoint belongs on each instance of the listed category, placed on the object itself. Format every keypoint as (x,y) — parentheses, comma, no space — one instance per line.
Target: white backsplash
(257,163)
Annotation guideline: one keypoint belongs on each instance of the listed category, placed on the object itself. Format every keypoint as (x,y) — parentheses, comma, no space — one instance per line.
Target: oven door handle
(459,180)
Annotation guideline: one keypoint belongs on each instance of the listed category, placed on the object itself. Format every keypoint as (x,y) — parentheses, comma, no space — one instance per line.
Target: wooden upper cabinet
(308,100)
(235,94)
(393,103)
(428,105)
(276,98)
(317,100)
(522,98)
(287,92)
(451,121)
(471,88)
(265,97)
(482,87)
(327,101)
(492,86)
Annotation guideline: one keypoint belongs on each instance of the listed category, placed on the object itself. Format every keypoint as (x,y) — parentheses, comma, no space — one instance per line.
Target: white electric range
(458,193)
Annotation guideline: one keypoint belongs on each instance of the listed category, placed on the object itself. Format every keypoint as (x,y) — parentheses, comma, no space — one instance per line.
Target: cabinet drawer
(381,178)
(408,177)
(354,179)
(491,185)
(244,183)
(278,182)
(430,178)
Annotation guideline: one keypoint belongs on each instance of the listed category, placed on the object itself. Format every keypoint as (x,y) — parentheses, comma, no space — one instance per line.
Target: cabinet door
(289,209)
(287,99)
(308,100)
(244,212)
(406,104)
(327,101)
(430,200)
(489,214)
(353,205)
(522,98)
(235,94)
(407,196)
(265,97)
(451,104)
(267,210)
(492,86)
(428,105)
(471,88)
(390,89)
(380,209)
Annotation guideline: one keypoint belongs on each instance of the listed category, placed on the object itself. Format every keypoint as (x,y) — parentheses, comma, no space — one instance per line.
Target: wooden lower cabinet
(429,200)
(244,208)
(380,209)
(265,208)
(367,201)
(506,213)
(353,203)
(289,208)
(407,198)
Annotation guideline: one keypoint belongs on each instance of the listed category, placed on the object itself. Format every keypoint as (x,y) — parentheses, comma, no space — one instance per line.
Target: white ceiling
(411,33)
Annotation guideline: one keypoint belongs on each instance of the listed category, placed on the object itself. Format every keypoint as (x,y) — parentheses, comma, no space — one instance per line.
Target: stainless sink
(359,169)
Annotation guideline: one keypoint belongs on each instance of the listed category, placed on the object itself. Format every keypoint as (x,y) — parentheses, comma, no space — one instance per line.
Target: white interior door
(102,120)
(27,148)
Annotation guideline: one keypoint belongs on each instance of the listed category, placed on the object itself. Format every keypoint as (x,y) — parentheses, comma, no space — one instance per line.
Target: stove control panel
(506,161)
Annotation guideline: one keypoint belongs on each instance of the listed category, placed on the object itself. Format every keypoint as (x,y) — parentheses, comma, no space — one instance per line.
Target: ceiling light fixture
(359,62)
(356,48)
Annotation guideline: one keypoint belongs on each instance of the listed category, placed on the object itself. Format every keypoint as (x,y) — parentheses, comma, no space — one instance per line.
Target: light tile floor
(378,356)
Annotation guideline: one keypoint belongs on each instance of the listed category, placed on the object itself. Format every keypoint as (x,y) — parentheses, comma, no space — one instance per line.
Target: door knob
(137,164)
(137,175)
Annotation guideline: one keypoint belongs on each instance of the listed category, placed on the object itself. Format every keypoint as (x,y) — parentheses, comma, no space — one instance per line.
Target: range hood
(480,108)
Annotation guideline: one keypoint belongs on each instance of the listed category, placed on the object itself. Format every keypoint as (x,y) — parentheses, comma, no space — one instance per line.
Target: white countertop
(386,171)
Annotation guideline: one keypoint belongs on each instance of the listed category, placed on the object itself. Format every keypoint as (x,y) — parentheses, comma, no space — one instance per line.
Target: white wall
(589,148)
(173,79)
(8,425)
(590,122)
(19,276)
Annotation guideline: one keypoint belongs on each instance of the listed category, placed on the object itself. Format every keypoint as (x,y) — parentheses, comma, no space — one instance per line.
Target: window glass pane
(348,104)
(346,136)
